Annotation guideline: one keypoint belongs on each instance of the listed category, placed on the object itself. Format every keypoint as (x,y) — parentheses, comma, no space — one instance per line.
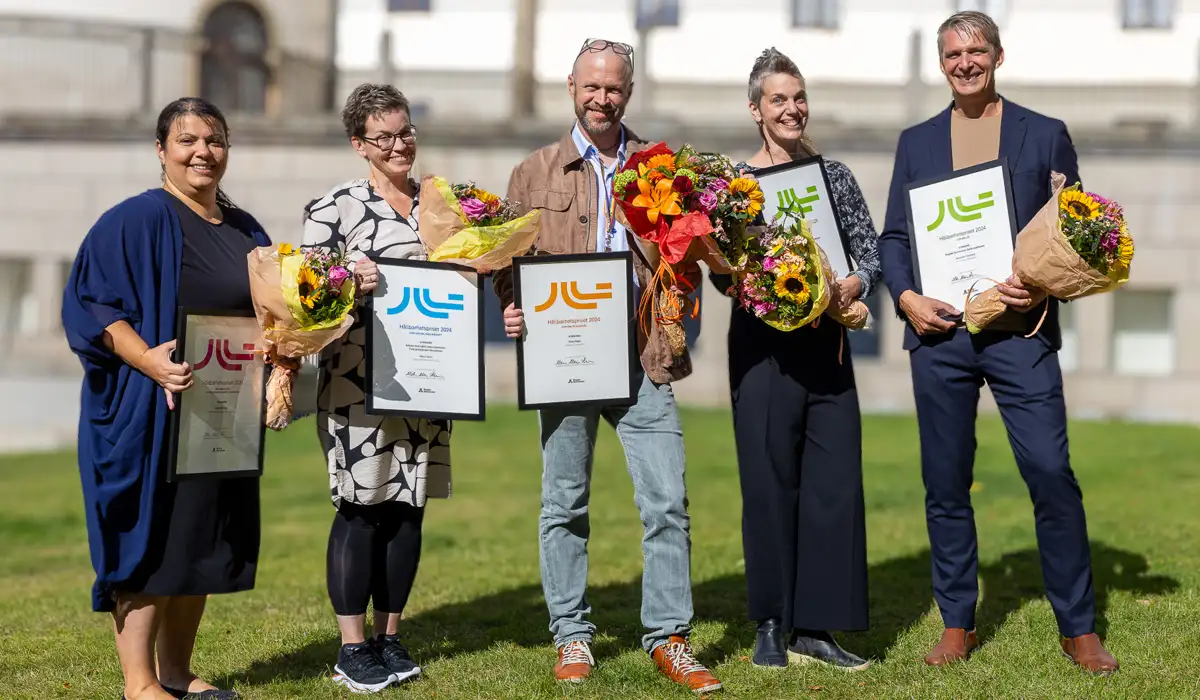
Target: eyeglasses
(598,45)
(385,142)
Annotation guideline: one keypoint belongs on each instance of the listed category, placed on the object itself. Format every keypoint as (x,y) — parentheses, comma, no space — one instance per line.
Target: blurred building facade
(81,83)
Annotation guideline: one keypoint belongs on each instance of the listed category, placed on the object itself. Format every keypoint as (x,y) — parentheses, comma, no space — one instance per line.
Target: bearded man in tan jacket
(571,183)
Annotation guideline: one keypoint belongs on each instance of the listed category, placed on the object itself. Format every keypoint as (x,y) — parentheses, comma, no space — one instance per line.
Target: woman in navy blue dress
(159,549)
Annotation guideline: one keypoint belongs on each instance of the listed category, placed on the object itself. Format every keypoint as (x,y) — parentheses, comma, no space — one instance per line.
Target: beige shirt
(975,141)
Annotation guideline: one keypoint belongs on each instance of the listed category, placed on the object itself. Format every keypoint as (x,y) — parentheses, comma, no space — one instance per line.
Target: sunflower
(1125,251)
(1079,205)
(485,196)
(750,188)
(790,285)
(658,200)
(308,283)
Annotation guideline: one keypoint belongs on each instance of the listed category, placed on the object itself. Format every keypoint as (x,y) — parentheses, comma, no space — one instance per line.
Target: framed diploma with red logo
(580,338)
(218,425)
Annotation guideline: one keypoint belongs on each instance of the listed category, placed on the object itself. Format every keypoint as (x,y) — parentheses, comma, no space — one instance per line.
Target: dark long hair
(199,107)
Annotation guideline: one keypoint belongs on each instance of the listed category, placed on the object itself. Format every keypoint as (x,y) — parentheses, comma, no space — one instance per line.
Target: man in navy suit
(949,366)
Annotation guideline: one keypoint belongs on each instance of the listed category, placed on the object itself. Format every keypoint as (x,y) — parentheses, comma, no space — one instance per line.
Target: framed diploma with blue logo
(217,428)
(579,343)
(424,340)
(962,229)
(804,185)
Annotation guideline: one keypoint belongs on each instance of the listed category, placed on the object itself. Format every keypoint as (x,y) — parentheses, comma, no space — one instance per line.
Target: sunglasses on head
(598,45)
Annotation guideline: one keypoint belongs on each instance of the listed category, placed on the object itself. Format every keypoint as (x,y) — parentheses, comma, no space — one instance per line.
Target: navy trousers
(1026,381)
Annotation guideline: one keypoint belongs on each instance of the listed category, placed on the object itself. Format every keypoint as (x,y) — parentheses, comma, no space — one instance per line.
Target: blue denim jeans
(652,437)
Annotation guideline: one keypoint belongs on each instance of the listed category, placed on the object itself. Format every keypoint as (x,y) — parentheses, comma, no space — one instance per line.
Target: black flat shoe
(818,647)
(769,650)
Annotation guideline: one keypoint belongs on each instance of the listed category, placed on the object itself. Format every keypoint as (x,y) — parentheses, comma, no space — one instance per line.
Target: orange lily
(658,199)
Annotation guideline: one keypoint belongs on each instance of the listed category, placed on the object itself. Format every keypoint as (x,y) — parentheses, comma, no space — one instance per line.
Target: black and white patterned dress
(371,459)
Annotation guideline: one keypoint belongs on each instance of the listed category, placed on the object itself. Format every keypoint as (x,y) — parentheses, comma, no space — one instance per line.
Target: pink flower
(337,276)
(473,208)
(718,185)
(707,201)
(768,263)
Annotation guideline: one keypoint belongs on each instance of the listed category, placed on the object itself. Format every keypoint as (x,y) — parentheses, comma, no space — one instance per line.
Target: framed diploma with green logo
(218,425)
(962,229)
(804,184)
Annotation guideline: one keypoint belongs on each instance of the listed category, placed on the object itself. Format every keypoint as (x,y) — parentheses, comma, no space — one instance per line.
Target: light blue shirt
(617,241)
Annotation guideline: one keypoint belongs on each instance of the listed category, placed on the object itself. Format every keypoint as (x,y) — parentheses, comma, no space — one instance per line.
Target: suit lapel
(1012,134)
(940,155)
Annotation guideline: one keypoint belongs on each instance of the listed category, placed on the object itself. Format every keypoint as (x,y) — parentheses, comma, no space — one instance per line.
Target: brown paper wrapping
(437,222)
(1042,258)
(853,316)
(283,341)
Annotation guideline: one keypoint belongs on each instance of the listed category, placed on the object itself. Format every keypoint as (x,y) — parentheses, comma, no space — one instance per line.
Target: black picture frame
(837,216)
(1001,162)
(369,354)
(182,314)
(631,345)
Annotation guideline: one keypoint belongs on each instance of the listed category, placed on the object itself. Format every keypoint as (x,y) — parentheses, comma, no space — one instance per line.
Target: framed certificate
(218,425)
(425,341)
(962,229)
(805,184)
(579,344)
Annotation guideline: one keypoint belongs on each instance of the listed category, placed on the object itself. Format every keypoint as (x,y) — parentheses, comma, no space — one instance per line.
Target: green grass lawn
(477,621)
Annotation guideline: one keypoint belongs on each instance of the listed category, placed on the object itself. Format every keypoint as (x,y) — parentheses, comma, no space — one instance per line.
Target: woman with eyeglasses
(381,469)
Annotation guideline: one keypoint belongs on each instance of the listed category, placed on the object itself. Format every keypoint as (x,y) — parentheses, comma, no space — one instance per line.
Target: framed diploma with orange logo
(218,425)
(580,341)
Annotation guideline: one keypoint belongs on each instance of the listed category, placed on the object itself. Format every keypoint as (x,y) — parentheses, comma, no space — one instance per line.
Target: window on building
(995,9)
(410,5)
(1068,355)
(657,13)
(1148,14)
(1143,336)
(233,72)
(822,14)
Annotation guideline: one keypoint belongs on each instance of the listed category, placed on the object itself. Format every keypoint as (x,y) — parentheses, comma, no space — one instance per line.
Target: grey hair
(771,62)
(371,100)
(971,23)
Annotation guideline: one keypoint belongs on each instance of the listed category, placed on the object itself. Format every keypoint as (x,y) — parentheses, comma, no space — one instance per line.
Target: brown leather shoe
(676,660)
(1088,653)
(574,662)
(956,645)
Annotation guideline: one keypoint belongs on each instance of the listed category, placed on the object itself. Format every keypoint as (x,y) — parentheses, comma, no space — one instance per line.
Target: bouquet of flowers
(302,300)
(1076,246)
(468,225)
(683,202)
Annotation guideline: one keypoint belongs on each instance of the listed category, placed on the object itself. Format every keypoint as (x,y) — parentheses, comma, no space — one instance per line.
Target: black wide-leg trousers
(799,446)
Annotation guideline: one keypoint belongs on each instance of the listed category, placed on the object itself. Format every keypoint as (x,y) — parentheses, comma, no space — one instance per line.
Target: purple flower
(473,208)
(337,276)
(768,263)
(718,185)
(707,201)
(1111,240)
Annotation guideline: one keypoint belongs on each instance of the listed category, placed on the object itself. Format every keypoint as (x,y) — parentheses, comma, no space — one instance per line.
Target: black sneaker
(818,647)
(361,669)
(396,657)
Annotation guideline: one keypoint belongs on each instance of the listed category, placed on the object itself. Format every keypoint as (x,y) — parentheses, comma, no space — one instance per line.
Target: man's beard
(591,123)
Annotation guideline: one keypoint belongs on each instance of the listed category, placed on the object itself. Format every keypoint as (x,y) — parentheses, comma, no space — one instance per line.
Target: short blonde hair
(970,23)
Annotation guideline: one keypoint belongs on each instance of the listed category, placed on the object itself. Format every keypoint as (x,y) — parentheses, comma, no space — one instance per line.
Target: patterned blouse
(371,459)
(856,220)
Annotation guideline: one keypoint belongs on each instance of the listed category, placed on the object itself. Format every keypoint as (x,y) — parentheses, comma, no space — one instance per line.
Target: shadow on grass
(899,597)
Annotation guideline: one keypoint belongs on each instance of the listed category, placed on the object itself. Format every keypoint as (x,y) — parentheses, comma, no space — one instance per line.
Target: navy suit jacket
(1034,144)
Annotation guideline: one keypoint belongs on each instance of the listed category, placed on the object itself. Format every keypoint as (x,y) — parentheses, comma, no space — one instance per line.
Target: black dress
(205,533)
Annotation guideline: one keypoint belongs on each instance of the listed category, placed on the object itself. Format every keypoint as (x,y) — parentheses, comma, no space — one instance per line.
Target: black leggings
(373,556)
